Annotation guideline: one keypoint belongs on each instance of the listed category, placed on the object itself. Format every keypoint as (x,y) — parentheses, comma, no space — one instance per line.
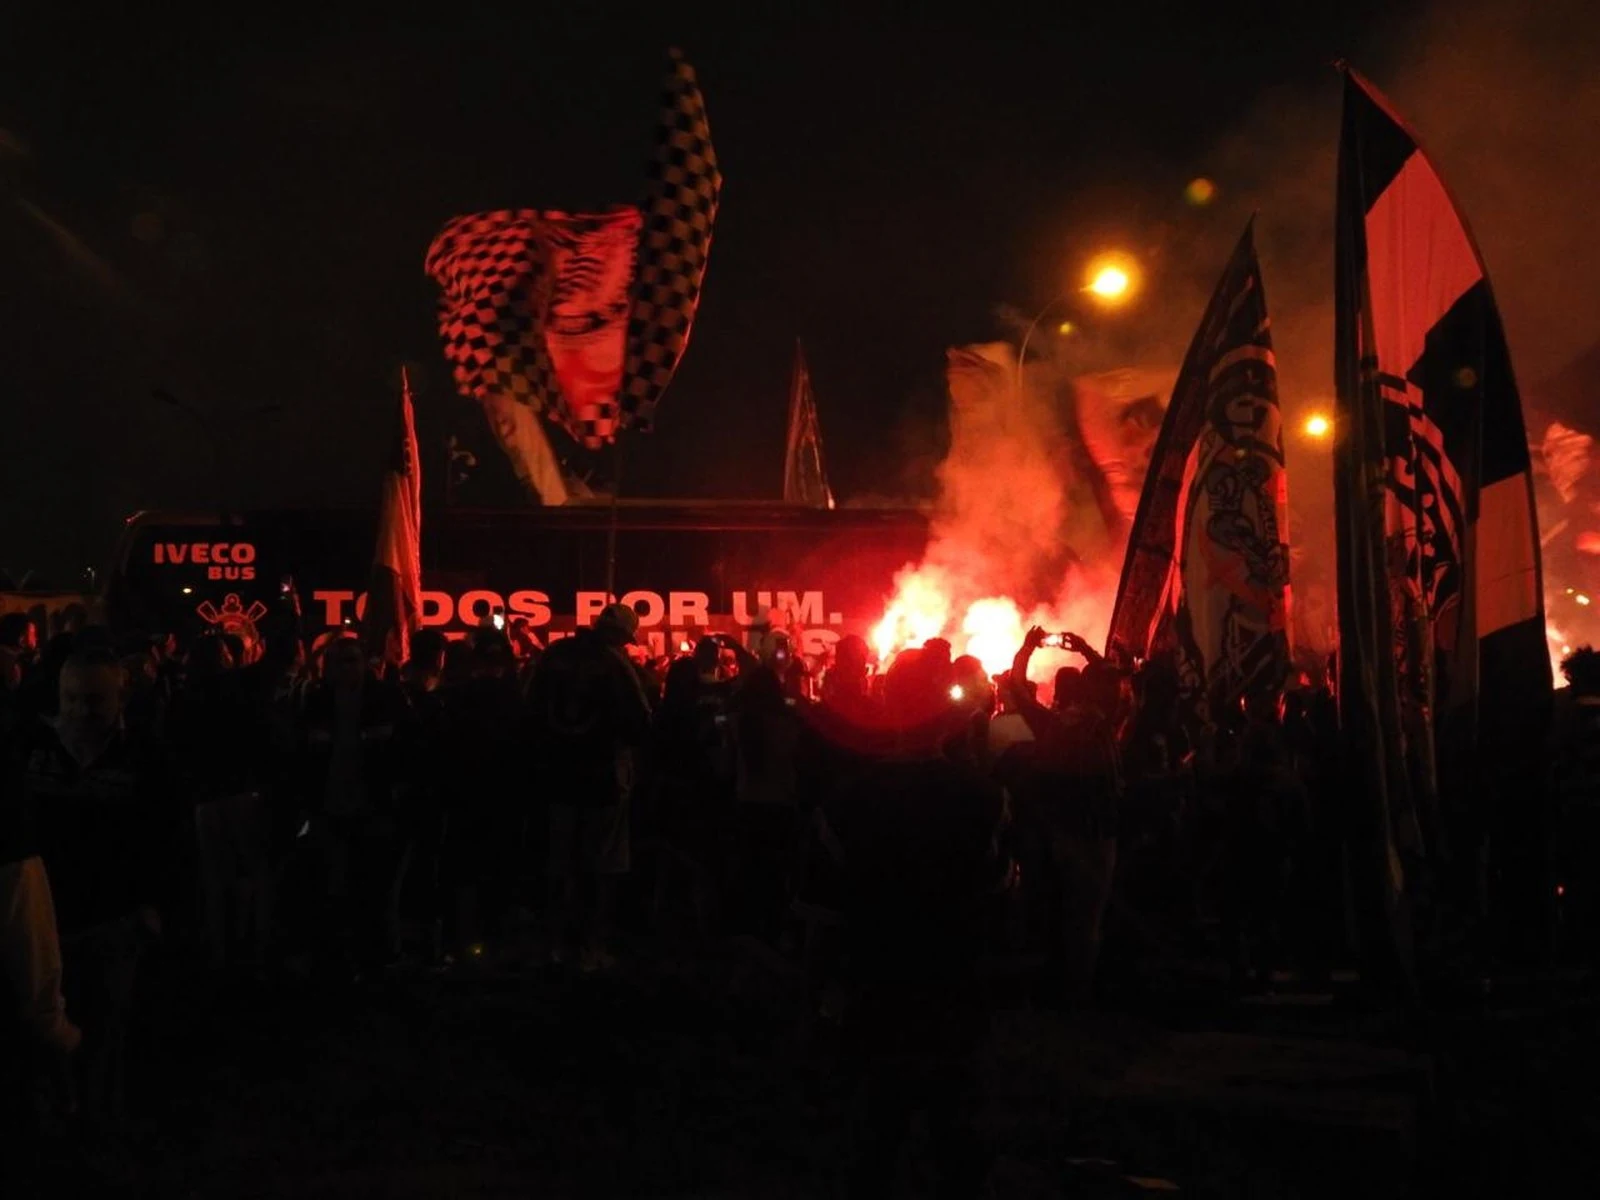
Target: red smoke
(1020,535)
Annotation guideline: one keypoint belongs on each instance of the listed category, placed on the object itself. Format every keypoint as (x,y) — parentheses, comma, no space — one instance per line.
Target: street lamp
(1112,279)
(1110,282)
(1318,426)
(1064,329)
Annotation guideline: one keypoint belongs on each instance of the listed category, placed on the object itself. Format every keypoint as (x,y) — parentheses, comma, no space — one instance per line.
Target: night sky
(236,210)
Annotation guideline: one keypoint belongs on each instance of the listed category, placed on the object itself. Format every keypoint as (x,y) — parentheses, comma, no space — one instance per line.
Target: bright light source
(1318,426)
(188,591)
(1582,599)
(1066,328)
(1110,283)
(957,692)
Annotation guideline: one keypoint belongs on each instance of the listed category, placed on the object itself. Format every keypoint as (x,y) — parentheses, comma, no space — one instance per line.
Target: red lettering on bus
(533,605)
(652,610)
(333,606)
(689,608)
(590,605)
(475,607)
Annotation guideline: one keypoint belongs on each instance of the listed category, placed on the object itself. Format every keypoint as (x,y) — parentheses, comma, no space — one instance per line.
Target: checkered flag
(494,284)
(679,209)
(529,298)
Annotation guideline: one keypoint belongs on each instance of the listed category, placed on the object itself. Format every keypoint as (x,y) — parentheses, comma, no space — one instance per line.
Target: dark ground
(686,1074)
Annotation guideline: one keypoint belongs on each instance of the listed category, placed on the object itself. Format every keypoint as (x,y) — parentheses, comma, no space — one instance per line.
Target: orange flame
(990,628)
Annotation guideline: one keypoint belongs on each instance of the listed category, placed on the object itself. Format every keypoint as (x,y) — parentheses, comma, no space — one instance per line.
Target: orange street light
(1112,279)
(1110,283)
(1318,426)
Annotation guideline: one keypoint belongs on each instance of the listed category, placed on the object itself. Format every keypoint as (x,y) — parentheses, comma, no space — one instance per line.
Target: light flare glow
(990,628)
(1110,283)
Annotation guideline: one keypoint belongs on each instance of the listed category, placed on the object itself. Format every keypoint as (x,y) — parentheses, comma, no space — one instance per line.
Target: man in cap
(591,713)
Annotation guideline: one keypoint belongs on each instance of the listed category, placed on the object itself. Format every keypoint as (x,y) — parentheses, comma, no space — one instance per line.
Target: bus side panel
(831,577)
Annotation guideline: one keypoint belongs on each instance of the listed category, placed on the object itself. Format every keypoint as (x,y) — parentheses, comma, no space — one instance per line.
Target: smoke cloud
(1505,101)
(1017,537)
(1503,98)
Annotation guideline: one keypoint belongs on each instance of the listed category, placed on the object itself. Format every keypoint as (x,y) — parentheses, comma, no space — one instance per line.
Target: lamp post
(1111,281)
(1033,325)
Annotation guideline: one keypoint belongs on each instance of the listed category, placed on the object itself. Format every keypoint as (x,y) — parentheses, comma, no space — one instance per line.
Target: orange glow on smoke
(989,629)
(993,629)
(917,613)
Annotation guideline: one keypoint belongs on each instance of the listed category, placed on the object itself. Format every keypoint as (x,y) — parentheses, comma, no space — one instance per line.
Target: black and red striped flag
(1444,669)
(394,596)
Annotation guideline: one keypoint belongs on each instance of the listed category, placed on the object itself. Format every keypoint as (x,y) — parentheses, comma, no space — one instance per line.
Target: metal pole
(1033,325)
(611,533)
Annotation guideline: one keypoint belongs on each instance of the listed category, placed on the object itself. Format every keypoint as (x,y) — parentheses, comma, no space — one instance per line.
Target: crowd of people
(283,807)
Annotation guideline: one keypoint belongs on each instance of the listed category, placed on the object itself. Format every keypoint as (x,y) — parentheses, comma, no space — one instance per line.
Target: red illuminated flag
(394,597)
(582,318)
(680,207)
(1206,577)
(533,310)
(1444,671)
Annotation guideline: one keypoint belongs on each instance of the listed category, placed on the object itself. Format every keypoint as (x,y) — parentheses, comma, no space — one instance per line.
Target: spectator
(108,835)
(591,714)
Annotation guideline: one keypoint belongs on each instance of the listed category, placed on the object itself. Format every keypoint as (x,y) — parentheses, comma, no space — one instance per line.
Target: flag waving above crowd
(805,473)
(394,596)
(1444,671)
(1206,577)
(680,208)
(582,318)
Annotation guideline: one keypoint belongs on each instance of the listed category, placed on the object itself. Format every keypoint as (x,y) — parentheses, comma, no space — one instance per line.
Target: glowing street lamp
(1111,279)
(1109,283)
(1318,426)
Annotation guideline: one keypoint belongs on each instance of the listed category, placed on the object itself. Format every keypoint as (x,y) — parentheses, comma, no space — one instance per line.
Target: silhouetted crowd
(278,808)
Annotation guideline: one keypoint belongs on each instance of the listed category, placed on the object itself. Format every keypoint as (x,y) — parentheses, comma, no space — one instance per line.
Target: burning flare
(1010,514)
(990,628)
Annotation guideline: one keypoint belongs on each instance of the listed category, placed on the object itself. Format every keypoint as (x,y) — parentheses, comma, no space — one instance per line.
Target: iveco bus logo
(222,560)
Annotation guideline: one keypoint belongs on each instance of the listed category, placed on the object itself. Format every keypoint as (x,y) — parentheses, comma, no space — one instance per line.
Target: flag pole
(611,533)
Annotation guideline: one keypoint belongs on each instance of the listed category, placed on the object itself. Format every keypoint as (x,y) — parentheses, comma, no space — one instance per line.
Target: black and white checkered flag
(679,210)
(507,277)
(494,281)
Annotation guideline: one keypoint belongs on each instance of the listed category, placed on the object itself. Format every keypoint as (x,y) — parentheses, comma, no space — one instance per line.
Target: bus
(687,568)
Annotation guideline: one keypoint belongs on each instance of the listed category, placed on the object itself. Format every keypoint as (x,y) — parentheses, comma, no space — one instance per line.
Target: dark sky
(236,210)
